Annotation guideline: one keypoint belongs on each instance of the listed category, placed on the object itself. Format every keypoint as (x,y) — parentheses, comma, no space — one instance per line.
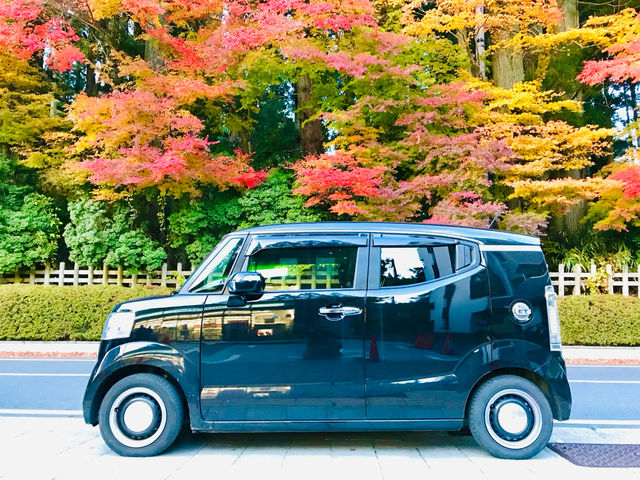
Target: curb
(48,349)
(603,361)
(28,354)
(573,355)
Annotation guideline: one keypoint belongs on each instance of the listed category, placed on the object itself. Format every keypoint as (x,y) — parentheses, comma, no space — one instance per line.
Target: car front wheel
(510,417)
(141,415)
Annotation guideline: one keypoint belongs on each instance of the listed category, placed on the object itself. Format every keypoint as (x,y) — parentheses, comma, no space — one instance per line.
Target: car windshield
(213,277)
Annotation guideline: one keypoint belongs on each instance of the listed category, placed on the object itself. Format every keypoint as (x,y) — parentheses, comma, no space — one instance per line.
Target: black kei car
(341,327)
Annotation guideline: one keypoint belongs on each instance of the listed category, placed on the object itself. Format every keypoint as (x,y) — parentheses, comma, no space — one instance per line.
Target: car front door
(296,351)
(428,315)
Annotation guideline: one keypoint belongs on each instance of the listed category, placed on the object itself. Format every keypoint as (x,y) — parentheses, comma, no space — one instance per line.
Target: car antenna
(498,215)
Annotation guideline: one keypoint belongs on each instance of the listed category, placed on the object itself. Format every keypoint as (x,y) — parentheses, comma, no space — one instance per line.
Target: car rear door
(428,315)
(297,351)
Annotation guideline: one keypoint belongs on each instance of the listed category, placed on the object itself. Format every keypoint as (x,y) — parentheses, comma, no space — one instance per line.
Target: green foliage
(99,233)
(198,225)
(608,320)
(36,312)
(29,226)
(28,235)
(134,250)
(272,202)
(586,246)
(275,137)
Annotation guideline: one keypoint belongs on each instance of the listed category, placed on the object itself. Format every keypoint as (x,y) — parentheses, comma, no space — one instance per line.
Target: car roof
(482,235)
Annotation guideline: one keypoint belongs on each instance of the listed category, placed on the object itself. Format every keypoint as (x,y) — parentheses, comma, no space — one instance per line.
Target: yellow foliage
(104,8)
(601,31)
(499,16)
(559,195)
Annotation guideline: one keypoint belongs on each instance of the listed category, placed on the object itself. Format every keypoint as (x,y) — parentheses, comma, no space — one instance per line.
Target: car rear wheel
(510,417)
(141,415)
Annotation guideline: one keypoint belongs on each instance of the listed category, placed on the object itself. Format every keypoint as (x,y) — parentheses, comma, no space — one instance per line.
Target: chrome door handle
(338,313)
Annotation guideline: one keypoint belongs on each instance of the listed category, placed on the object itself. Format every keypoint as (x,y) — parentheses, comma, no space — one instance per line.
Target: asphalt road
(601,394)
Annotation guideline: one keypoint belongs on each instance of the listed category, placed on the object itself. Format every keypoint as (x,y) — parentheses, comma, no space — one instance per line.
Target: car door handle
(338,313)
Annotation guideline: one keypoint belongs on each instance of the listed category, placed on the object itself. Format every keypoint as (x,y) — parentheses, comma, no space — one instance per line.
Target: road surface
(601,394)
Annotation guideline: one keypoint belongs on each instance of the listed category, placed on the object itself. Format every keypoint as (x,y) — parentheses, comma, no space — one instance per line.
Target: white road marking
(605,381)
(632,423)
(45,374)
(9,411)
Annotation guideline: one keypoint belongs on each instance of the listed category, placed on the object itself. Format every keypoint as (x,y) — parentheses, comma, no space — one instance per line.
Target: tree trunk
(244,141)
(480,43)
(311,138)
(152,52)
(90,86)
(570,17)
(508,65)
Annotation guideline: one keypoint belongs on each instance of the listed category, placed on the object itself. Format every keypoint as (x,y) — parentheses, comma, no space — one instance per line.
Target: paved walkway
(67,449)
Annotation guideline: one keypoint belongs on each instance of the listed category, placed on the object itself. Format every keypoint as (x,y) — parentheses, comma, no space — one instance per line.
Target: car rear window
(411,265)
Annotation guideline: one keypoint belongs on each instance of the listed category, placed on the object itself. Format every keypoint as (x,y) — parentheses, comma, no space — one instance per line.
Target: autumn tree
(503,23)
(618,205)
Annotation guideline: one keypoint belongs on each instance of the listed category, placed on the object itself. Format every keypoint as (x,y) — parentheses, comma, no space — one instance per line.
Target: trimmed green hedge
(600,320)
(36,312)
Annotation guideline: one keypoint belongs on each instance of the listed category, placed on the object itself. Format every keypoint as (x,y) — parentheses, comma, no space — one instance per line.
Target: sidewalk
(572,355)
(66,448)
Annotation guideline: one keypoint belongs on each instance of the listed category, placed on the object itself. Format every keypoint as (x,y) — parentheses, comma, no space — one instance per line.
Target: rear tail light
(555,342)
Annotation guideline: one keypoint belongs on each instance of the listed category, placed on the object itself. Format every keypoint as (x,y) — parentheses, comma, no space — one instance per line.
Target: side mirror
(246,283)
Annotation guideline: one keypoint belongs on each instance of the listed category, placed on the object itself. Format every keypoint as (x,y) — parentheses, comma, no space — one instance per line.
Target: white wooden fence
(91,276)
(574,281)
(567,282)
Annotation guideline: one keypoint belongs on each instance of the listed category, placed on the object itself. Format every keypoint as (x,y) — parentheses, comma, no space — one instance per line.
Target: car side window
(212,279)
(411,265)
(305,268)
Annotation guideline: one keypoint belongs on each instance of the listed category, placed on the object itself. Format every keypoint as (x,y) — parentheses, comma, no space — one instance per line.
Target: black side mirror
(246,283)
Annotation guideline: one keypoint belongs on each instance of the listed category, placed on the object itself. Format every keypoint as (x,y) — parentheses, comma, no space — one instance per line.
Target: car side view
(343,326)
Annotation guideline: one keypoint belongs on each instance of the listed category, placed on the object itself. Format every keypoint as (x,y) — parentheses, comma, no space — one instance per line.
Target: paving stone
(67,449)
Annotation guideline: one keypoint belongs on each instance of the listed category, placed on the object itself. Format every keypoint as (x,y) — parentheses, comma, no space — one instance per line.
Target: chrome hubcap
(138,416)
(513,418)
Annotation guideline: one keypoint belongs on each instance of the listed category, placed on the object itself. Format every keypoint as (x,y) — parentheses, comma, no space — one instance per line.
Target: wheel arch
(530,375)
(126,371)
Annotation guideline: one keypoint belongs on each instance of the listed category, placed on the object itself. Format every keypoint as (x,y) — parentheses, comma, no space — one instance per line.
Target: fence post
(76,274)
(16,277)
(90,276)
(119,277)
(625,281)
(561,280)
(609,278)
(163,277)
(61,274)
(134,280)
(179,273)
(47,273)
(578,277)
(105,274)
(32,276)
